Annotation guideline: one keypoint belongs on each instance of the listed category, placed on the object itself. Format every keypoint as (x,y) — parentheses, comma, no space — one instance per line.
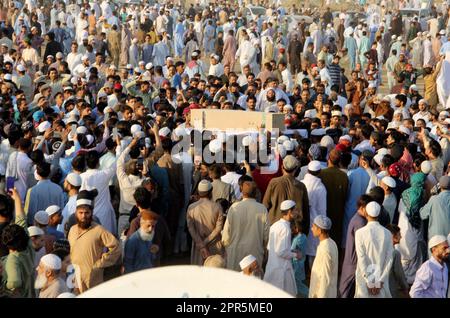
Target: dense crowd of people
(103,172)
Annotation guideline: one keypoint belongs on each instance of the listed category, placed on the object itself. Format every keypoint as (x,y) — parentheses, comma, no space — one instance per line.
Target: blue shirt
(437,212)
(358,180)
(299,244)
(176,81)
(431,280)
(445,48)
(41,196)
(52,231)
(137,255)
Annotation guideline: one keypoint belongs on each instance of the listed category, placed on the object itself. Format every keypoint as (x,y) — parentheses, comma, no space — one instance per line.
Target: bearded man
(88,241)
(48,280)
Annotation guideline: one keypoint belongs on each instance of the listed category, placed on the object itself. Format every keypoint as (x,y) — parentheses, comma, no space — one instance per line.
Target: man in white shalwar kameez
(317,194)
(41,20)
(53,16)
(245,53)
(324,273)
(215,67)
(134,53)
(95,178)
(317,40)
(106,9)
(254,65)
(428,58)
(417,51)
(374,249)
(279,270)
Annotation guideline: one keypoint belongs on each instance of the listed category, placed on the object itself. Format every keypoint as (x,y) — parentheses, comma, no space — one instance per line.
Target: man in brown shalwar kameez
(284,188)
(336,183)
(113,41)
(229,50)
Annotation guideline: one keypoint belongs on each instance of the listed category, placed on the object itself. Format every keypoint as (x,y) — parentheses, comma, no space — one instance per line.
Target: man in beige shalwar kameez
(246,229)
(324,272)
(88,241)
(205,222)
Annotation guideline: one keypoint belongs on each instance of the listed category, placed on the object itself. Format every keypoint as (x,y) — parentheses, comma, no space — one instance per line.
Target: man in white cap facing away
(216,261)
(41,220)
(430,182)
(205,222)
(284,188)
(48,280)
(390,201)
(36,235)
(373,244)
(250,266)
(279,270)
(246,229)
(71,186)
(324,272)
(431,279)
(317,196)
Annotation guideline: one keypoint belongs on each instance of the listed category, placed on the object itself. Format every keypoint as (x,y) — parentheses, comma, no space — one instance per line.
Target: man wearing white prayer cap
(37,236)
(204,218)
(282,139)
(426,166)
(55,218)
(336,113)
(373,244)
(431,280)
(246,262)
(216,261)
(135,128)
(289,146)
(48,280)
(378,158)
(279,270)
(72,185)
(97,248)
(250,267)
(284,188)
(390,201)
(246,228)
(431,181)
(317,195)
(41,219)
(35,231)
(324,272)
(44,126)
